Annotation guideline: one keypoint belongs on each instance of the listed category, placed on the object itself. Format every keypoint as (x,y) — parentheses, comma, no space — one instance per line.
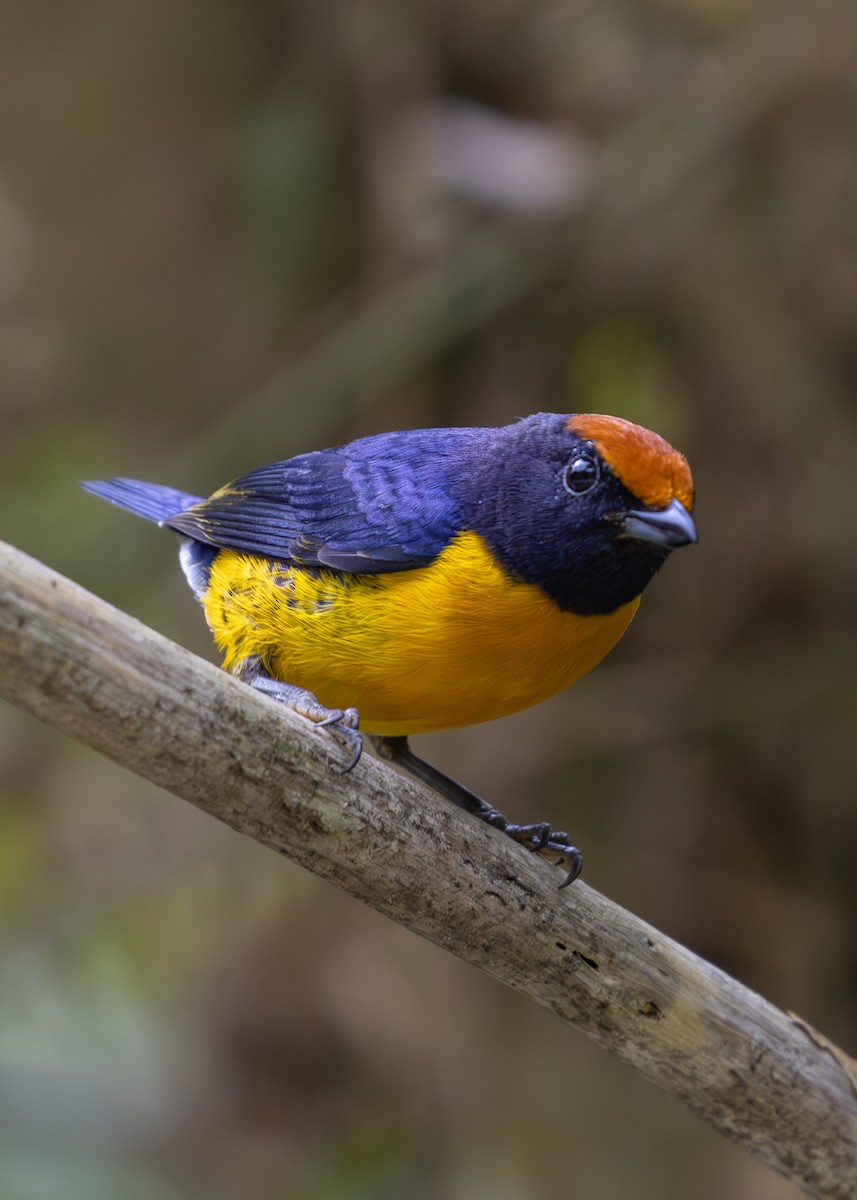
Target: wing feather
(379,504)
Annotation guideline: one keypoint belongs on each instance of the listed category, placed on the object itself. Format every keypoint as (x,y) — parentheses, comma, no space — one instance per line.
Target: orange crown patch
(645,463)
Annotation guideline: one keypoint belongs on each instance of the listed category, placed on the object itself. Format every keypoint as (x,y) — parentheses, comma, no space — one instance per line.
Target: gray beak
(668,527)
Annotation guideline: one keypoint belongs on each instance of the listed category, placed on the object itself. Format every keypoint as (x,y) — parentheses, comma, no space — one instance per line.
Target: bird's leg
(342,722)
(539,837)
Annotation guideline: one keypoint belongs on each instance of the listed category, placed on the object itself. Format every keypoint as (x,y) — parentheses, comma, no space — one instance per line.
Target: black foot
(540,838)
(342,722)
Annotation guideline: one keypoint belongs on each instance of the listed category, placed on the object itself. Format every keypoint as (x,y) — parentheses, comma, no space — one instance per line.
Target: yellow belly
(450,644)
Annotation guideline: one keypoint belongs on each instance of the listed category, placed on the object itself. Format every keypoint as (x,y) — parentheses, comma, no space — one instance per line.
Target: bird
(426,579)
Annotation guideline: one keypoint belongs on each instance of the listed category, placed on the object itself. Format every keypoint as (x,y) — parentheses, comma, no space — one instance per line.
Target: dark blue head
(588,507)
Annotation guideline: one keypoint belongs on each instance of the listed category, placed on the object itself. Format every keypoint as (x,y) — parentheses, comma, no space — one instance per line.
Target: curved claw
(555,844)
(567,856)
(342,723)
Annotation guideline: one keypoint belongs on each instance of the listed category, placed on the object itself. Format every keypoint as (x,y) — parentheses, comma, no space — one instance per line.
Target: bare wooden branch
(764,1078)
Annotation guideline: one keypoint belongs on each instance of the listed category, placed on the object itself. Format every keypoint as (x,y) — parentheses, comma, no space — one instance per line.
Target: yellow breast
(450,644)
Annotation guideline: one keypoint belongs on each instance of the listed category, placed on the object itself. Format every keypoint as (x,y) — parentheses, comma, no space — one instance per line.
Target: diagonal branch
(764,1078)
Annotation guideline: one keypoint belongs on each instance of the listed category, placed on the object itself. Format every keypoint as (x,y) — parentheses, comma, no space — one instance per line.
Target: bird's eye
(581,474)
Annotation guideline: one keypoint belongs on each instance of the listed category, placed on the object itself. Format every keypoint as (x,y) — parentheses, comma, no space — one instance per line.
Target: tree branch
(763,1078)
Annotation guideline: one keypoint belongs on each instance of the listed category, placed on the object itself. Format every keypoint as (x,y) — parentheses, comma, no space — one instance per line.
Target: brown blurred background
(230,232)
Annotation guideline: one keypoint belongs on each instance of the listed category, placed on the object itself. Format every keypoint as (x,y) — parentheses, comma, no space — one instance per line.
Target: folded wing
(377,505)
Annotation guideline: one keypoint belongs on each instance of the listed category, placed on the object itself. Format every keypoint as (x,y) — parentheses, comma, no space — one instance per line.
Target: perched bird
(431,578)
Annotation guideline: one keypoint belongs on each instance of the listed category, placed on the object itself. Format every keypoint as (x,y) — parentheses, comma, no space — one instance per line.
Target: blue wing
(379,504)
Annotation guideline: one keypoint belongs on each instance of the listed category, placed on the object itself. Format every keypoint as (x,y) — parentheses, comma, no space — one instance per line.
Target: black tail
(149,500)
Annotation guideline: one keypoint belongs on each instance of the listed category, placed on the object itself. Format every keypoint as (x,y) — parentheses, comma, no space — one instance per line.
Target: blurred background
(231,232)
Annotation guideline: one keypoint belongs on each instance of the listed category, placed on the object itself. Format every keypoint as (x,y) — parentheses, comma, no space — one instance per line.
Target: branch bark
(764,1078)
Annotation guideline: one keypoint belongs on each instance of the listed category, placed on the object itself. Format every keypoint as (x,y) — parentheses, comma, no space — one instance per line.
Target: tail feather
(149,500)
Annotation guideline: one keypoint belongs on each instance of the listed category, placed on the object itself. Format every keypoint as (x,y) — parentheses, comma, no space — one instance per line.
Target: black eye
(581,474)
